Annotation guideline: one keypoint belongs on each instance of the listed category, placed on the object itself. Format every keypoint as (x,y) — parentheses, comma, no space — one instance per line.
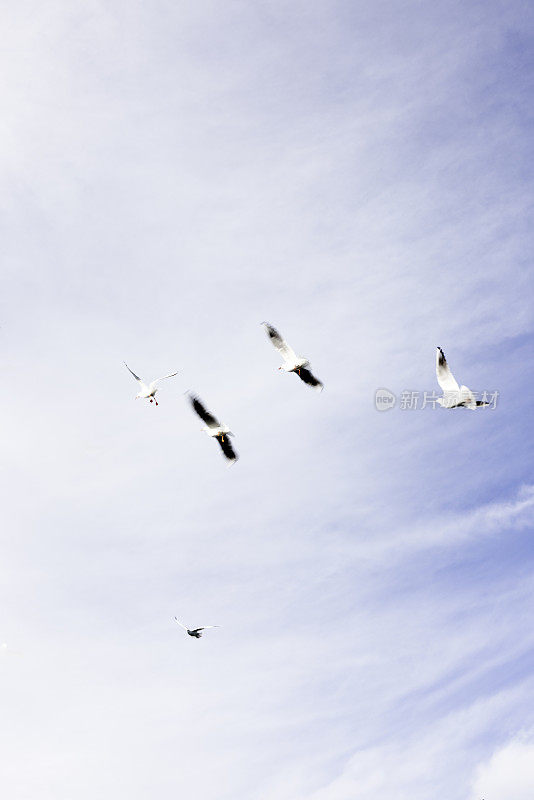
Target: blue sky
(359,175)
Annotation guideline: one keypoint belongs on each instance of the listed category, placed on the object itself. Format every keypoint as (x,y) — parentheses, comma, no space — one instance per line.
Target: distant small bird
(148,392)
(215,429)
(196,632)
(292,362)
(454,396)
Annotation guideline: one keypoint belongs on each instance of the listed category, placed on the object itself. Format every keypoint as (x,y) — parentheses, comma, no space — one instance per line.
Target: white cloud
(449,530)
(434,761)
(173,174)
(508,774)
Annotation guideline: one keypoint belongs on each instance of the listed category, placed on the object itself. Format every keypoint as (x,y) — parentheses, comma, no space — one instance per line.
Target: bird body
(148,391)
(214,428)
(292,362)
(454,396)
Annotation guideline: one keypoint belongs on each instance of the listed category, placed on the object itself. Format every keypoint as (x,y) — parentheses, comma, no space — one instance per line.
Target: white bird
(196,632)
(454,396)
(215,429)
(292,362)
(148,392)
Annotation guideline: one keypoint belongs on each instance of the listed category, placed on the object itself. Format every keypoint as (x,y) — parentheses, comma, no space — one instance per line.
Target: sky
(359,175)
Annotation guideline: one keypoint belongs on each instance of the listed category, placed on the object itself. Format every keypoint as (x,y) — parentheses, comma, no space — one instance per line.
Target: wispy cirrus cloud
(172,176)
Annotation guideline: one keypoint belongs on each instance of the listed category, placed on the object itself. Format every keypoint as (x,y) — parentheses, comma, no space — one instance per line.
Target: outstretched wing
(229,452)
(152,385)
(306,376)
(205,628)
(137,378)
(203,413)
(179,623)
(445,377)
(287,352)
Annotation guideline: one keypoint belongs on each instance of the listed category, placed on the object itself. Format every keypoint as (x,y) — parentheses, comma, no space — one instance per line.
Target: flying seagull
(454,396)
(215,429)
(196,632)
(148,392)
(292,362)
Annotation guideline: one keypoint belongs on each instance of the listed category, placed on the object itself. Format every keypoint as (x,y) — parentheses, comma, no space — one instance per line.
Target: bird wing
(137,378)
(306,376)
(141,382)
(152,385)
(205,627)
(287,352)
(179,623)
(226,447)
(203,413)
(446,379)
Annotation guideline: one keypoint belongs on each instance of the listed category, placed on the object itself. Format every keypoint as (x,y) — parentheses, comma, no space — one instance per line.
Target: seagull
(148,392)
(196,632)
(215,428)
(454,396)
(292,362)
